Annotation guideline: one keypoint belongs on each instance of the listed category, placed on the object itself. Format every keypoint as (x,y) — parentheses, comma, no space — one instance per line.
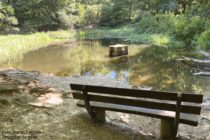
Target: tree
(8,22)
(38,14)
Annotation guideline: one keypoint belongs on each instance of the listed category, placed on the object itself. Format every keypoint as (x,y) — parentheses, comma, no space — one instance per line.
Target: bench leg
(100,115)
(166,130)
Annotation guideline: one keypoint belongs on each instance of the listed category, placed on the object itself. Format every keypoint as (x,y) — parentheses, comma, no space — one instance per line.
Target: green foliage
(88,14)
(201,9)
(160,23)
(184,23)
(187,29)
(106,13)
(116,12)
(8,21)
(38,15)
(204,40)
(182,28)
(68,15)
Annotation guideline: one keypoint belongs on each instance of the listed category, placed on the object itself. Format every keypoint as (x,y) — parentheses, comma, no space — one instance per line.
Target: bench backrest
(181,102)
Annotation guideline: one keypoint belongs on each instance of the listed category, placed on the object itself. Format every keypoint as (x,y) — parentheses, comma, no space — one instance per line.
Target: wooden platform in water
(118,50)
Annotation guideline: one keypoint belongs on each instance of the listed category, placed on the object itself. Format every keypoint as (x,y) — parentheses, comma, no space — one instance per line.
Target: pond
(146,65)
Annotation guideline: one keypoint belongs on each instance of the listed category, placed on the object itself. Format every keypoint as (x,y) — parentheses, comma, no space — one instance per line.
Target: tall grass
(127,33)
(13,47)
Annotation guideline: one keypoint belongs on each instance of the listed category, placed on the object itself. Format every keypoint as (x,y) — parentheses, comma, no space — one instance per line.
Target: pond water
(145,65)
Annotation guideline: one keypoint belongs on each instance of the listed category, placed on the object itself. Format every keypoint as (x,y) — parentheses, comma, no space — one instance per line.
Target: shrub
(187,29)
(8,21)
(66,20)
(160,23)
(203,40)
(184,30)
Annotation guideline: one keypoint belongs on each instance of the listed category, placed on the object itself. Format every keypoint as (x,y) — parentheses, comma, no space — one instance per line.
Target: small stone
(4,102)
(142,87)
(8,88)
(21,101)
(208,137)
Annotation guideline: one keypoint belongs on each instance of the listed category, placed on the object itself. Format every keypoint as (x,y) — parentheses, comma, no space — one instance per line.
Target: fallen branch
(206,54)
(203,65)
(202,74)
(193,60)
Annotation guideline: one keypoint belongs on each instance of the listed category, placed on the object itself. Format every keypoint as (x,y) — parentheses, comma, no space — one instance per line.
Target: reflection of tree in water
(151,66)
(154,66)
(160,70)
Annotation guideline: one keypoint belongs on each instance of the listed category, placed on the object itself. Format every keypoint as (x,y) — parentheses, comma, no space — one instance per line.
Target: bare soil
(40,106)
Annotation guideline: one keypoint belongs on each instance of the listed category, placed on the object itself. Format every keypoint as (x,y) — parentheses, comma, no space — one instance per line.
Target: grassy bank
(13,47)
(128,34)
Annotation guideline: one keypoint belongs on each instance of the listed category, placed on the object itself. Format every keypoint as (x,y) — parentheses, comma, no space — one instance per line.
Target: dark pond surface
(145,65)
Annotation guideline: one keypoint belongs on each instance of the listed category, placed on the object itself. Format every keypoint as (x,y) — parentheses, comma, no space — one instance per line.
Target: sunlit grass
(160,40)
(126,33)
(13,47)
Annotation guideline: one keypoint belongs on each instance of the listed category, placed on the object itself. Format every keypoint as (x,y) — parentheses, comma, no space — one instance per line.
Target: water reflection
(145,65)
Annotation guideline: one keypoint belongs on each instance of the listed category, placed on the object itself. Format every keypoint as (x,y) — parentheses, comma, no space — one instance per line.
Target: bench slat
(142,103)
(126,92)
(193,98)
(169,115)
(128,102)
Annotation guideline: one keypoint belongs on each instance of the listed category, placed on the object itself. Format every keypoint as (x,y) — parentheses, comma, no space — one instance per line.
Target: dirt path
(34,103)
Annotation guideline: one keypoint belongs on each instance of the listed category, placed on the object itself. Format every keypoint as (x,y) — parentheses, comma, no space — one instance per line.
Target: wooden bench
(171,108)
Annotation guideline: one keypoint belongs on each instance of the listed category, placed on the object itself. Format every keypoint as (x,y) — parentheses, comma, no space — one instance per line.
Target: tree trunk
(203,65)
(130,9)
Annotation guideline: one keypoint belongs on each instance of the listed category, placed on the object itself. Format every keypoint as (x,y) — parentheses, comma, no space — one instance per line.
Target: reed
(13,47)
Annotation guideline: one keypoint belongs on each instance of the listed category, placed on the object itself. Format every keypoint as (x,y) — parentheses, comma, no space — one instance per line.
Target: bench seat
(170,115)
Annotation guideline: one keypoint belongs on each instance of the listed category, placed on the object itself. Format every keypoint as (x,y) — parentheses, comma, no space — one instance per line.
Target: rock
(142,87)
(48,100)
(4,102)
(18,74)
(39,90)
(21,100)
(204,120)
(208,137)
(8,88)
(38,104)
